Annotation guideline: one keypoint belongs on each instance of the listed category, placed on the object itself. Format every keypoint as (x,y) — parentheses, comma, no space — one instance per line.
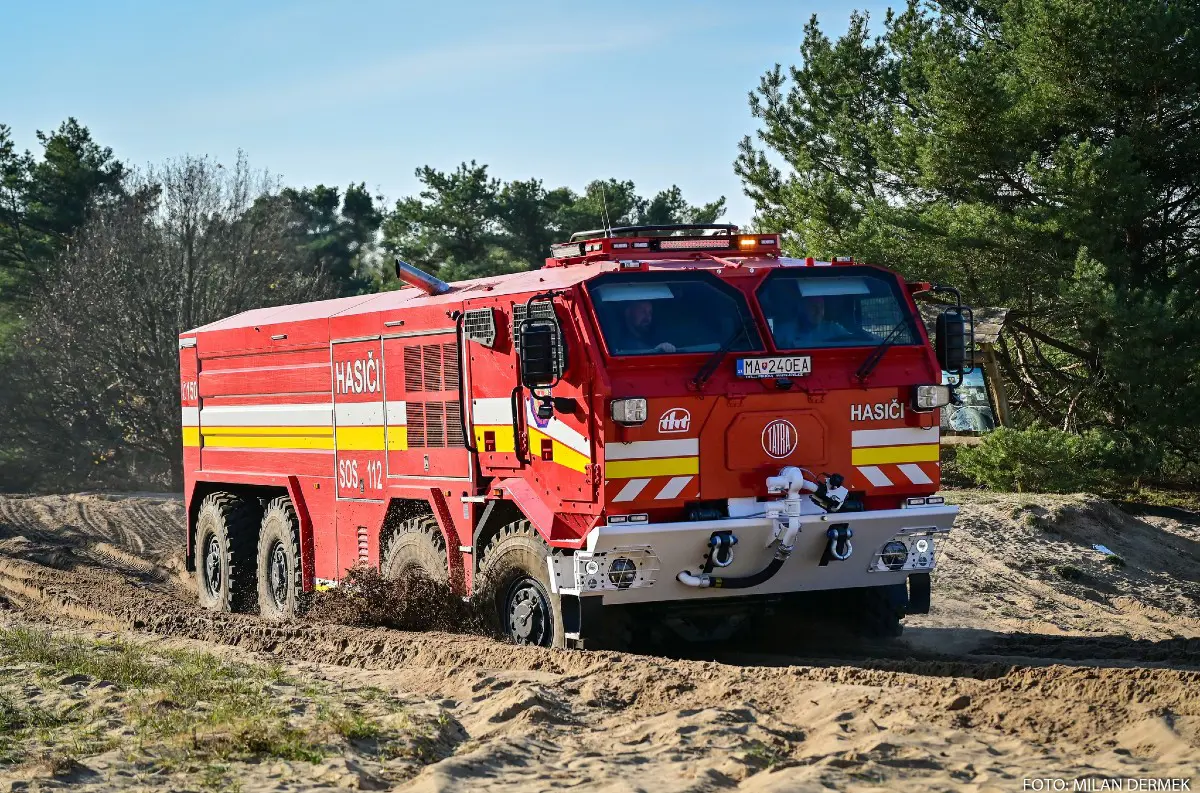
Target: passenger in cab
(638,332)
(809,326)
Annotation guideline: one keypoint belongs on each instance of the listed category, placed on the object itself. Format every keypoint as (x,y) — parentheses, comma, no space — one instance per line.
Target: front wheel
(515,582)
(878,611)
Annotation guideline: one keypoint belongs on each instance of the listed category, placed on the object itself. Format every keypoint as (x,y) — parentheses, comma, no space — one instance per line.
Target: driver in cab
(638,333)
(809,326)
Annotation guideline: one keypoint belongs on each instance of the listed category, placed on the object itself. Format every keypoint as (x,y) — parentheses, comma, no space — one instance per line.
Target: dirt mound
(1027,564)
(1020,671)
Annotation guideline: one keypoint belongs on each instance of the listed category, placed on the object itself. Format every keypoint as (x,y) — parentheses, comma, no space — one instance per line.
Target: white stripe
(359,414)
(191,417)
(674,487)
(875,475)
(559,431)
(396,413)
(319,415)
(899,437)
(915,474)
(632,489)
(492,410)
(645,450)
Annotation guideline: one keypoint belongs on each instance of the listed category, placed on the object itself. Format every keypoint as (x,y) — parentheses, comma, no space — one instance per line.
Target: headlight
(630,412)
(929,397)
(894,555)
(922,546)
(622,572)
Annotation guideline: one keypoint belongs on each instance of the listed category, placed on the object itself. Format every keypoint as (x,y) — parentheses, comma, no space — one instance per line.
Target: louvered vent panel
(450,366)
(416,424)
(431,358)
(541,309)
(454,430)
(412,369)
(479,325)
(435,426)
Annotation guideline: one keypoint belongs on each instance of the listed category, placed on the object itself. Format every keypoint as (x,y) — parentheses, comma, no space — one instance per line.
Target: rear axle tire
(515,583)
(226,532)
(280,586)
(417,549)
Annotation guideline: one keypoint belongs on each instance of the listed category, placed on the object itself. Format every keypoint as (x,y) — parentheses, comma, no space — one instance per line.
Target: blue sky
(369,91)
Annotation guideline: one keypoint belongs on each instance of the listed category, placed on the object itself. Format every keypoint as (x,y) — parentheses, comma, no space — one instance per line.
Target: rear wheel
(417,549)
(226,531)
(515,580)
(280,588)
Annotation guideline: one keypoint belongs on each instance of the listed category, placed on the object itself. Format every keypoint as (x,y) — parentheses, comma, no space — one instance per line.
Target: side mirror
(541,364)
(950,341)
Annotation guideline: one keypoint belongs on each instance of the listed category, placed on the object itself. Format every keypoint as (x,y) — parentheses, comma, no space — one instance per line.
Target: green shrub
(1068,572)
(1045,460)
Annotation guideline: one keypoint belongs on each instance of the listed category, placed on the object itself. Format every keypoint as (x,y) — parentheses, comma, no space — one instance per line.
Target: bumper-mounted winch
(798,493)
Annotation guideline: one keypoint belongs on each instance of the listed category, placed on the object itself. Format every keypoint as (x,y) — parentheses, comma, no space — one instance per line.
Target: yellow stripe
(563,454)
(665,466)
(397,438)
(268,442)
(924,453)
(504,438)
(325,431)
(360,439)
(191,436)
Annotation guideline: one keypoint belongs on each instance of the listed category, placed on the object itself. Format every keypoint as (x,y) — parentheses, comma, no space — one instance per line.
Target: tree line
(102,266)
(1044,155)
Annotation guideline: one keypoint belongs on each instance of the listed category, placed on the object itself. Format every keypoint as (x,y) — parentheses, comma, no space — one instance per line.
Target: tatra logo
(878,411)
(779,438)
(356,377)
(675,420)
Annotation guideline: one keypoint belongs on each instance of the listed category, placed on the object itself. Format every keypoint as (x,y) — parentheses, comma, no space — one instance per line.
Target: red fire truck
(666,427)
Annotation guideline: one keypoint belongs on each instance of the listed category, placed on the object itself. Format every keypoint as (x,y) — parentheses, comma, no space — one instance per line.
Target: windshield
(858,307)
(663,313)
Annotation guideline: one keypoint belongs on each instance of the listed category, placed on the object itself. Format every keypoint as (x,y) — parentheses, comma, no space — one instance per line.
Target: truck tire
(515,584)
(226,533)
(417,548)
(879,611)
(280,587)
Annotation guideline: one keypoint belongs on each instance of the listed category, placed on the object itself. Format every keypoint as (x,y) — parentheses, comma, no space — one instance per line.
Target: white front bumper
(661,550)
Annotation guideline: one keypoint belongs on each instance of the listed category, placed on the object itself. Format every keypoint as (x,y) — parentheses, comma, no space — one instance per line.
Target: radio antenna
(604,203)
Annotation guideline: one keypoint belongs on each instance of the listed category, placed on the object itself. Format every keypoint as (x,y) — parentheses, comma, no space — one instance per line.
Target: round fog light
(922,546)
(622,572)
(592,568)
(894,555)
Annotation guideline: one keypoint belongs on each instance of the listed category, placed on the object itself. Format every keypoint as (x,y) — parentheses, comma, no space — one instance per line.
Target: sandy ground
(1041,659)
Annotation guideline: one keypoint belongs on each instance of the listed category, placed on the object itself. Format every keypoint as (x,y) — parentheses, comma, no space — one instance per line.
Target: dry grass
(170,711)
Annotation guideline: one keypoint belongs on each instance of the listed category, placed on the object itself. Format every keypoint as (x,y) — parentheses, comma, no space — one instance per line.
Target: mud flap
(919,589)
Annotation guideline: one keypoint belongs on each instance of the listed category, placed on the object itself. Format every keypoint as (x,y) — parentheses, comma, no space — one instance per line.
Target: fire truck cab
(665,428)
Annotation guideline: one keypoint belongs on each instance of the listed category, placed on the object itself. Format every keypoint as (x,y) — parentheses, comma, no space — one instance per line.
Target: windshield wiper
(876,355)
(714,360)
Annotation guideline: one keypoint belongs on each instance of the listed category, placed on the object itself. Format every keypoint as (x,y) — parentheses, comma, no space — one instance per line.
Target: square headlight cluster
(931,397)
(630,412)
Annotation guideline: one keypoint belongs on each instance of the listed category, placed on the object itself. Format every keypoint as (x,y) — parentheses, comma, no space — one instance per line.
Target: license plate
(783,366)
